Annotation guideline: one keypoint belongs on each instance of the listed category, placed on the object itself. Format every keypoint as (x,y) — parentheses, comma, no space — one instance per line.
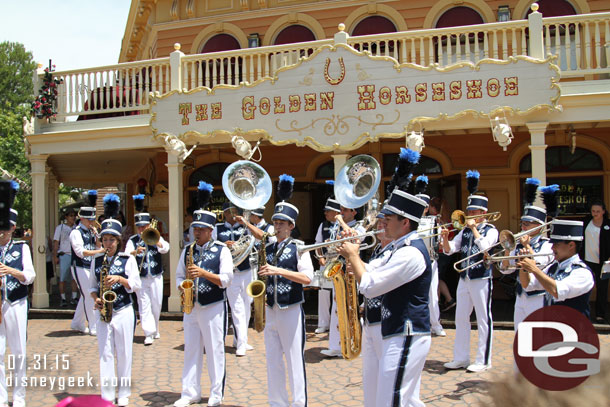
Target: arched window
(225,71)
(426,165)
(212,174)
(326,171)
(562,167)
(459,16)
(374,25)
(293,34)
(553,8)
(448,48)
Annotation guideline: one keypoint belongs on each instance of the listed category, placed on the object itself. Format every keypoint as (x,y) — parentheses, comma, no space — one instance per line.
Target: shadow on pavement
(313,355)
(435,367)
(468,387)
(64,334)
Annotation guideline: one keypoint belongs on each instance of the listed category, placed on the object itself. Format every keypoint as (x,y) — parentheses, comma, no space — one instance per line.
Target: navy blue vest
(12,288)
(372,307)
(117,267)
(280,289)
(580,303)
(225,234)
(209,259)
(468,248)
(404,310)
(328,232)
(536,246)
(88,244)
(153,257)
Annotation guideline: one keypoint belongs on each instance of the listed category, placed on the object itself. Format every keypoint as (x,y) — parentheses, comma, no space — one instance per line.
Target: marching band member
(372,339)
(567,281)
(475,285)
(229,232)
(527,302)
(326,231)
(211,268)
(16,273)
(428,225)
(85,245)
(148,257)
(334,338)
(115,331)
(286,273)
(402,278)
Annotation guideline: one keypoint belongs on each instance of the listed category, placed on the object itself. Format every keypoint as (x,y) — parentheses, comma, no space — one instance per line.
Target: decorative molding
(359,14)
(173,11)
(291,19)
(441,6)
(218,28)
(190,8)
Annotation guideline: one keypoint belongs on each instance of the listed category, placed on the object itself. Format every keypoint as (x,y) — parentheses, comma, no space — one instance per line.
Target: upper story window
(459,16)
(374,25)
(554,8)
(326,171)
(293,34)
(426,165)
(220,42)
(561,159)
(211,173)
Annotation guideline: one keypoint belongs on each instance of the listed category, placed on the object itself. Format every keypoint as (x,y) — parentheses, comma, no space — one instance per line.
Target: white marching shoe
(456,364)
(478,367)
(183,402)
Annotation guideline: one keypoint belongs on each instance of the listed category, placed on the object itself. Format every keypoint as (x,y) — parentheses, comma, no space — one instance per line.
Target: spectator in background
(437,207)
(62,255)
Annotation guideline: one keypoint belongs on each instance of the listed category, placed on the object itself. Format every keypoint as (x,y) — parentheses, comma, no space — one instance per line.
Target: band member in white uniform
(475,285)
(567,281)
(229,232)
(427,229)
(334,338)
(286,272)
(403,280)
(527,302)
(326,231)
(16,273)
(150,265)
(85,244)
(372,340)
(206,325)
(115,338)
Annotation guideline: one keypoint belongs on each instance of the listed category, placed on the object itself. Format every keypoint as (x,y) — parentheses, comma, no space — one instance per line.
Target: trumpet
(500,259)
(459,218)
(303,248)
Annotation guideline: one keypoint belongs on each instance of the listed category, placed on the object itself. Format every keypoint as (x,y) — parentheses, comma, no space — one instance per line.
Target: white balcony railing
(582,44)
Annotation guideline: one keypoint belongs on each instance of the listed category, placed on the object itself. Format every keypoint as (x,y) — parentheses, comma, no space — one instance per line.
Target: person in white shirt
(62,256)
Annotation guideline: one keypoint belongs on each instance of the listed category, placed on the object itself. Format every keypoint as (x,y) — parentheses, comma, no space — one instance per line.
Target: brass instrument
(188,285)
(150,236)
(257,288)
(107,296)
(333,244)
(458,220)
(499,259)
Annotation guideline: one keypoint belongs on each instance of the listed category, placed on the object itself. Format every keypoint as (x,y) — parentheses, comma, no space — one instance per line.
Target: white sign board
(341,98)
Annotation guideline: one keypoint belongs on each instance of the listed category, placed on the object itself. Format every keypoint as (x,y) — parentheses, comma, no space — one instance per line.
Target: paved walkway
(157,369)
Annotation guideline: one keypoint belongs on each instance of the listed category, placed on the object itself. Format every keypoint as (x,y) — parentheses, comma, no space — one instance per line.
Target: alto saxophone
(257,288)
(188,285)
(107,296)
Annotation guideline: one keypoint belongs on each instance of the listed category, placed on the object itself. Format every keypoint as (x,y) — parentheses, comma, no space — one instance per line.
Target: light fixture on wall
(244,149)
(572,135)
(503,14)
(415,139)
(502,133)
(253,40)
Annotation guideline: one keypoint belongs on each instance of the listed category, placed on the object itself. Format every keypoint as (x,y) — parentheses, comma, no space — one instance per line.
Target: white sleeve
(164,246)
(181,269)
(578,282)
(319,238)
(406,264)
(28,267)
(214,234)
(226,267)
(57,234)
(304,265)
(76,240)
(133,275)
(271,239)
(192,235)
(94,285)
(488,240)
(455,244)
(129,247)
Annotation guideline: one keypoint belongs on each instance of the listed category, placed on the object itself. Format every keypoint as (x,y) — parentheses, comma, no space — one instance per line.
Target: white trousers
(285,337)
(334,338)
(435,313)
(525,305)
(372,351)
(400,370)
(150,298)
(240,302)
(204,327)
(84,313)
(324,308)
(13,332)
(473,294)
(115,341)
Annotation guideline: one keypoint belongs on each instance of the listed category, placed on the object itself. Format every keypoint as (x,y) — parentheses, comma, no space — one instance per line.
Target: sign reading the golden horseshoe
(341,98)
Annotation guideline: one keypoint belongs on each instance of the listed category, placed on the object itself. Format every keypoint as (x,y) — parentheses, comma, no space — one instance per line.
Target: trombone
(303,248)
(500,259)
(458,220)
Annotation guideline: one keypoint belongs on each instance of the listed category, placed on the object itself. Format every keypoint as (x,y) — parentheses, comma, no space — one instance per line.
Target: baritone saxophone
(257,288)
(188,285)
(107,296)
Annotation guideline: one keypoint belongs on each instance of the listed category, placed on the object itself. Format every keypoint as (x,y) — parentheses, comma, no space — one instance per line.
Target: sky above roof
(73,33)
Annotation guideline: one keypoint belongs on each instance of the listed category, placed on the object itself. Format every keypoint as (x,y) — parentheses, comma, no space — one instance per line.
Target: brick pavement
(331,382)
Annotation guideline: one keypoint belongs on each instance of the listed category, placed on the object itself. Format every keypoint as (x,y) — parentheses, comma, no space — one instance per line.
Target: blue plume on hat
(421,183)
(111,206)
(330,182)
(407,160)
(13,193)
(531,186)
(284,187)
(549,197)
(472,178)
(92,197)
(138,201)
(204,193)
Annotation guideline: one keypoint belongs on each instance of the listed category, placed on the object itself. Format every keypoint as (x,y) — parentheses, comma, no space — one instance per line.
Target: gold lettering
(326,100)
(216,110)
(310,102)
(402,95)
(278,105)
(264,106)
(185,109)
(512,86)
(455,92)
(367,99)
(421,92)
(247,107)
(493,87)
(438,91)
(385,95)
(474,89)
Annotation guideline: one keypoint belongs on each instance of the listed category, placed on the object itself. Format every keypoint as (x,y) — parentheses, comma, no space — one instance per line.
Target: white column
(536,43)
(53,203)
(174,168)
(40,297)
(175,62)
(338,161)
(538,155)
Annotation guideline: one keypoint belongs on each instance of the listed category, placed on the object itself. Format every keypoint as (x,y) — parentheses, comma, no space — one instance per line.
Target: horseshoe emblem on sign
(330,80)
